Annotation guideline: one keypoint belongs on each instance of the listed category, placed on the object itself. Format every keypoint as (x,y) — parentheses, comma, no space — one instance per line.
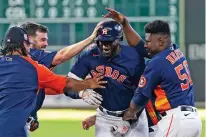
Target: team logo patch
(104,31)
(25,37)
(8,40)
(118,27)
(142,82)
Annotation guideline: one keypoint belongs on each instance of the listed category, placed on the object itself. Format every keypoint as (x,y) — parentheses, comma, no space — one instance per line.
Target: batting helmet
(110,31)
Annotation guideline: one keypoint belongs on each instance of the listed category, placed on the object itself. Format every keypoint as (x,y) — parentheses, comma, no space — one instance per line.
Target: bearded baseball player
(122,67)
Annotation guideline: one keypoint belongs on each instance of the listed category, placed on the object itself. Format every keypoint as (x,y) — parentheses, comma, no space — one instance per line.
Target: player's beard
(36,46)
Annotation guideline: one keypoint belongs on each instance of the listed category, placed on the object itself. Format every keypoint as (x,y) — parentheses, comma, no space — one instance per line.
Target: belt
(182,108)
(112,113)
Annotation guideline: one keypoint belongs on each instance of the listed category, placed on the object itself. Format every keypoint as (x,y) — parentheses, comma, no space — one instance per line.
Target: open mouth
(106,51)
(43,47)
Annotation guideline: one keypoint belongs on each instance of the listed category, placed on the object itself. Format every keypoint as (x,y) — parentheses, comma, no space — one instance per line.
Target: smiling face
(40,40)
(108,48)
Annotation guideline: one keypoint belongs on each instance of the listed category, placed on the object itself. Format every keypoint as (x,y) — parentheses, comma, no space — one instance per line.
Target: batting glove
(122,127)
(33,124)
(91,97)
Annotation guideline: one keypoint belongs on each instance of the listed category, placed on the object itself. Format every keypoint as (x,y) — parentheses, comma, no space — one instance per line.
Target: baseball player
(134,40)
(38,36)
(122,67)
(168,85)
(20,78)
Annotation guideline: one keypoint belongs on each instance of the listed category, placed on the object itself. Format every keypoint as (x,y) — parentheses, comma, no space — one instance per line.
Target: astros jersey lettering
(169,71)
(122,73)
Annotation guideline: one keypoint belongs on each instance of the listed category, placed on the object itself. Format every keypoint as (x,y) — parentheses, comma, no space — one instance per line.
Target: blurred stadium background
(70,21)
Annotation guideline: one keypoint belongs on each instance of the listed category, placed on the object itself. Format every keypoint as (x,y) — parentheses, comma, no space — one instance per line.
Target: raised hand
(115,15)
(96,82)
(94,33)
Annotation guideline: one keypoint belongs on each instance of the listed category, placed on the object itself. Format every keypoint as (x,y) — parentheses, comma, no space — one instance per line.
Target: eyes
(43,39)
(105,42)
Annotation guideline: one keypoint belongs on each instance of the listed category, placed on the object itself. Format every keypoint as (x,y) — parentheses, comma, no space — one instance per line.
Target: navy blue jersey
(16,98)
(167,81)
(141,50)
(122,73)
(45,58)
(20,78)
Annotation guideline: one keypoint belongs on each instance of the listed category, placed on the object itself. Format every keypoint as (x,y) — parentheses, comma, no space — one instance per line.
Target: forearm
(132,111)
(73,95)
(75,85)
(71,51)
(137,103)
(130,34)
(34,114)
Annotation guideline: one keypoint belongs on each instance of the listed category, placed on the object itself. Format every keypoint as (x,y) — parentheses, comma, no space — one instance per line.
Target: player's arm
(147,83)
(47,79)
(73,95)
(80,71)
(72,50)
(88,122)
(132,37)
(50,91)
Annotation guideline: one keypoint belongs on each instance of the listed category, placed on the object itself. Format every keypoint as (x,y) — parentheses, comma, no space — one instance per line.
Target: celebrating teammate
(166,81)
(122,67)
(168,85)
(20,78)
(38,36)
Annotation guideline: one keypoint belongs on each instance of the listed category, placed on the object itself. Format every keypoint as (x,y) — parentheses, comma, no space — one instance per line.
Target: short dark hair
(157,26)
(31,28)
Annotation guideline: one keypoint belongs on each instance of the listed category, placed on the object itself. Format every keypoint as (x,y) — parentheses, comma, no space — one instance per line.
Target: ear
(31,39)
(116,42)
(25,44)
(160,41)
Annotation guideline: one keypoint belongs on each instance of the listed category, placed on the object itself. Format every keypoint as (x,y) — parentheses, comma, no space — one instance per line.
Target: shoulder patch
(142,82)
